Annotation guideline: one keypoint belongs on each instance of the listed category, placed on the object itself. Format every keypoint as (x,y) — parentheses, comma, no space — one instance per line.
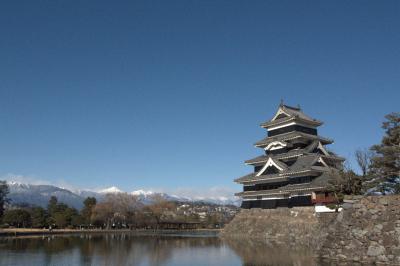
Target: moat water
(126,249)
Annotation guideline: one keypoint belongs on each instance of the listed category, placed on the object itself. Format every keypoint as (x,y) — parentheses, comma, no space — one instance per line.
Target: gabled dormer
(280,114)
(272,167)
(321,149)
(320,162)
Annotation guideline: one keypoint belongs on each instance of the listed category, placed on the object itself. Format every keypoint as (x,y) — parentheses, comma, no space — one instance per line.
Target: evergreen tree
(52,206)
(70,214)
(4,190)
(61,207)
(385,164)
(77,220)
(61,215)
(17,218)
(86,212)
(58,213)
(39,217)
(60,219)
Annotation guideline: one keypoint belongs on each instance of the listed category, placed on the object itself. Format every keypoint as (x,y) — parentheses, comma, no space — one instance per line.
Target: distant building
(296,167)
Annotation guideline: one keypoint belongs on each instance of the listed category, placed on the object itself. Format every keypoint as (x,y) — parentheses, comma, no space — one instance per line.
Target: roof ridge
(292,107)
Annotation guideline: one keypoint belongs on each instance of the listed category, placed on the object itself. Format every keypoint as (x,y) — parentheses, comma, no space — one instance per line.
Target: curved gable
(271,164)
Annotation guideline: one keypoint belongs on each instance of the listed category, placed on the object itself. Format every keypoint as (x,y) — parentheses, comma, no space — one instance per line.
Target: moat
(126,249)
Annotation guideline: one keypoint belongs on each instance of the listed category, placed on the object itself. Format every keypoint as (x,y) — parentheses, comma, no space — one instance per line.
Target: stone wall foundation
(367,230)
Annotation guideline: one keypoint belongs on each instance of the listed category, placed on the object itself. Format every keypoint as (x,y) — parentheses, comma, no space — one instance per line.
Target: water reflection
(125,249)
(256,253)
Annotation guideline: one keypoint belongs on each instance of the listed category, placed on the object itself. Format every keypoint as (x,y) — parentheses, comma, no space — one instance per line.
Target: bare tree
(363,157)
(116,209)
(123,202)
(102,214)
(161,208)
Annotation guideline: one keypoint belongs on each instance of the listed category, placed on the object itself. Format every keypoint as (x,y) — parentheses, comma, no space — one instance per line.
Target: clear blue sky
(171,93)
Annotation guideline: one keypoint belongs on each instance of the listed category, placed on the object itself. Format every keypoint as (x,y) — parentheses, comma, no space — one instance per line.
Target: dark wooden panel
(278,203)
(291,128)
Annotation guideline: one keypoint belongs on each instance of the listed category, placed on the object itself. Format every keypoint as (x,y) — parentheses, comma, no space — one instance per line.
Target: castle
(296,168)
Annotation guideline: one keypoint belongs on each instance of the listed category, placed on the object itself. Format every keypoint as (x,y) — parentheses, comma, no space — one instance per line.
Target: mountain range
(39,195)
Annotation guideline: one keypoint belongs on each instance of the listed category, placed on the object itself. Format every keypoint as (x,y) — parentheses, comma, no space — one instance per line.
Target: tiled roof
(246,177)
(293,114)
(302,164)
(290,136)
(295,111)
(264,158)
(320,182)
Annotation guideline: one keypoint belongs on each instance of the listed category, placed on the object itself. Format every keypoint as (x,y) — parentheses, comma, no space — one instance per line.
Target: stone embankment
(297,226)
(367,230)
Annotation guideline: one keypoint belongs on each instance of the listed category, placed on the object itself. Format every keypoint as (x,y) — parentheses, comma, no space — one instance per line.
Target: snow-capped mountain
(149,196)
(141,192)
(111,190)
(40,195)
(219,200)
(27,194)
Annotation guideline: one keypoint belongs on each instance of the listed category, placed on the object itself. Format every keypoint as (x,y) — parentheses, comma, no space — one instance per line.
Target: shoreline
(16,232)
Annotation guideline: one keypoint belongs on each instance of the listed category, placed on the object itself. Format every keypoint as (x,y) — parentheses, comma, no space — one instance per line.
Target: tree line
(56,215)
(115,211)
